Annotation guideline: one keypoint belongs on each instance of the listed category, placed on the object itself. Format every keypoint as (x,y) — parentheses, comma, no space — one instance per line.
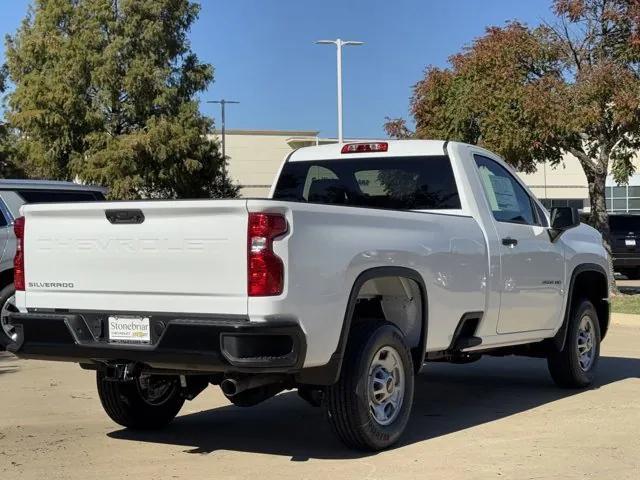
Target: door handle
(509,242)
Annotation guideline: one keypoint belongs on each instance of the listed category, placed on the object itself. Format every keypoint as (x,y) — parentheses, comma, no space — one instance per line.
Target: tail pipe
(234,386)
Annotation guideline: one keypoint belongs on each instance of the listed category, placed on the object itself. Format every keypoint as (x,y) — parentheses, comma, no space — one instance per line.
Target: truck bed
(189,259)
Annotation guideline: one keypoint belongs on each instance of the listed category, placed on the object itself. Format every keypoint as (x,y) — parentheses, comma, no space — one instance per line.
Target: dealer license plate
(129,330)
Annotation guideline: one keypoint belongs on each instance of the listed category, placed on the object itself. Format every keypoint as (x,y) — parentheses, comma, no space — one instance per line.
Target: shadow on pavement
(4,358)
(448,398)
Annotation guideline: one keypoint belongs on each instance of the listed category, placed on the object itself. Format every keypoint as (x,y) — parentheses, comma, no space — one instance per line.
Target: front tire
(369,407)
(575,365)
(146,402)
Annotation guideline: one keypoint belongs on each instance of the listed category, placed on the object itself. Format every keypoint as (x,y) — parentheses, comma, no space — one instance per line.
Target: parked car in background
(14,194)
(624,238)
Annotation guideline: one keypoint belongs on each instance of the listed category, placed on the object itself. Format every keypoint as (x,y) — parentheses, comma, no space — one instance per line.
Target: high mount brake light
(264,268)
(365,147)
(18,259)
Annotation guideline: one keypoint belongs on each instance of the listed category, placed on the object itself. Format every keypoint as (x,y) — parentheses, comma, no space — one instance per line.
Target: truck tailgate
(184,256)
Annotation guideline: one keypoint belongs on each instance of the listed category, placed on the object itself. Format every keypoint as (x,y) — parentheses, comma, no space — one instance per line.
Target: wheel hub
(585,344)
(8,308)
(386,385)
(156,389)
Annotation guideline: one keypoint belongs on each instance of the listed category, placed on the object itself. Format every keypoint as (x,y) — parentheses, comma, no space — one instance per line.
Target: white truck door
(532,267)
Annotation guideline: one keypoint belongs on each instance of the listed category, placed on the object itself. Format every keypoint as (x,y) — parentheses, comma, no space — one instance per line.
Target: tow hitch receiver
(121,372)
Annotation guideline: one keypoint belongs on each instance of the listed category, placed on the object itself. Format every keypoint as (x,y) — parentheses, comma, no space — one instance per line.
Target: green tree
(534,94)
(8,167)
(105,92)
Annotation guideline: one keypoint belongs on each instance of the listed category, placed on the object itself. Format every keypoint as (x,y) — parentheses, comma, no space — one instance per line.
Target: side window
(508,201)
(541,215)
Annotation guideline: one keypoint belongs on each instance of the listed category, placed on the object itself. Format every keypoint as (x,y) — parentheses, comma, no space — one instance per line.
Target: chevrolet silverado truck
(368,261)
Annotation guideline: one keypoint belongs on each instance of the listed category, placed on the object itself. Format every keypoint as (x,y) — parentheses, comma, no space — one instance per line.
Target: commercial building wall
(563,181)
(255,156)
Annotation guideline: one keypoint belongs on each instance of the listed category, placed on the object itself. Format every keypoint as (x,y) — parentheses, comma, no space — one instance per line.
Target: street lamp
(222,103)
(339,43)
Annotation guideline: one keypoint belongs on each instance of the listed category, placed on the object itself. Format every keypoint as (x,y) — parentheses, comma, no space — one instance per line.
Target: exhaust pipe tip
(234,386)
(229,387)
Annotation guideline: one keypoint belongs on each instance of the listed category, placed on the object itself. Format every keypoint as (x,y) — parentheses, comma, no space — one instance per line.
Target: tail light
(18,260)
(265,268)
(365,147)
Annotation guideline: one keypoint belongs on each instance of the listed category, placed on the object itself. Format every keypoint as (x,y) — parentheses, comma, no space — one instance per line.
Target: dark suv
(624,238)
(14,194)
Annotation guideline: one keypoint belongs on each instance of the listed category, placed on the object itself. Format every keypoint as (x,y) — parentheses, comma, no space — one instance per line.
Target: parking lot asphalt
(497,418)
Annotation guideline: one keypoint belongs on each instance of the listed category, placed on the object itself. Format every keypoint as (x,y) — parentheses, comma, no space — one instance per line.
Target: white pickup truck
(368,261)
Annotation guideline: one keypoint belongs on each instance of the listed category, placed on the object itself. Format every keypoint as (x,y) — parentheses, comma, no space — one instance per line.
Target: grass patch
(626,304)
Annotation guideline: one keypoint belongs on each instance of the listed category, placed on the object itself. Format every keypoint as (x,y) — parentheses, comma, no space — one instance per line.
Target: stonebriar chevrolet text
(368,261)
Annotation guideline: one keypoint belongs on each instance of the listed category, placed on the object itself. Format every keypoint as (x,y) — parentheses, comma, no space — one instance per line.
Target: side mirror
(563,218)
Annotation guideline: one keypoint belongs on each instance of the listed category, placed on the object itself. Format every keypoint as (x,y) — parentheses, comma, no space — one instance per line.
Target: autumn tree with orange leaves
(533,94)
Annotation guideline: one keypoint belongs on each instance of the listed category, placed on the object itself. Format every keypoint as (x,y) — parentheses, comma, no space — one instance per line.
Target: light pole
(339,43)
(222,103)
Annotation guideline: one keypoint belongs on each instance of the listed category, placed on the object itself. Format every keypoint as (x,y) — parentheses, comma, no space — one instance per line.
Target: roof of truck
(13,184)
(394,148)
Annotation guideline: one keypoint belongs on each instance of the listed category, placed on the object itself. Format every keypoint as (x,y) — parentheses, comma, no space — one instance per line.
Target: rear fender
(328,374)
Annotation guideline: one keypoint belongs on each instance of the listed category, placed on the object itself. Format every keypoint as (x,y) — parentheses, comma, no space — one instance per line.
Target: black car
(624,238)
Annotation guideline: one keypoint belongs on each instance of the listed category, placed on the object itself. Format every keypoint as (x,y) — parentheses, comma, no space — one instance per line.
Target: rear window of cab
(401,183)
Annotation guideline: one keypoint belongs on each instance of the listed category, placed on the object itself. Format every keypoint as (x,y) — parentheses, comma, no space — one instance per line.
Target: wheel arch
(329,373)
(588,280)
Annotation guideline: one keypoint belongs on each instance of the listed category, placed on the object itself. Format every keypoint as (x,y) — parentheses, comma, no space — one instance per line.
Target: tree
(534,94)
(105,92)
(8,167)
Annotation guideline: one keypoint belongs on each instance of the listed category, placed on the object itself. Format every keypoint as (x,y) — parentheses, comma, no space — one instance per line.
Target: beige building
(255,157)
(566,185)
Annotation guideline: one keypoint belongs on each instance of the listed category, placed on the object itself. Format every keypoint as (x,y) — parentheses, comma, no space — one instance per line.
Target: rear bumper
(194,344)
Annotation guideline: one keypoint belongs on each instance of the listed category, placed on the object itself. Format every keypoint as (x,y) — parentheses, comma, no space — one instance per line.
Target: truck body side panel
(330,246)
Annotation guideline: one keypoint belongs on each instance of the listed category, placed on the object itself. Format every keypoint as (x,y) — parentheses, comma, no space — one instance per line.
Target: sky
(264,55)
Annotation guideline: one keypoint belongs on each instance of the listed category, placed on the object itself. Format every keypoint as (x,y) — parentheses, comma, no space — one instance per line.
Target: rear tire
(132,405)
(369,407)
(575,365)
